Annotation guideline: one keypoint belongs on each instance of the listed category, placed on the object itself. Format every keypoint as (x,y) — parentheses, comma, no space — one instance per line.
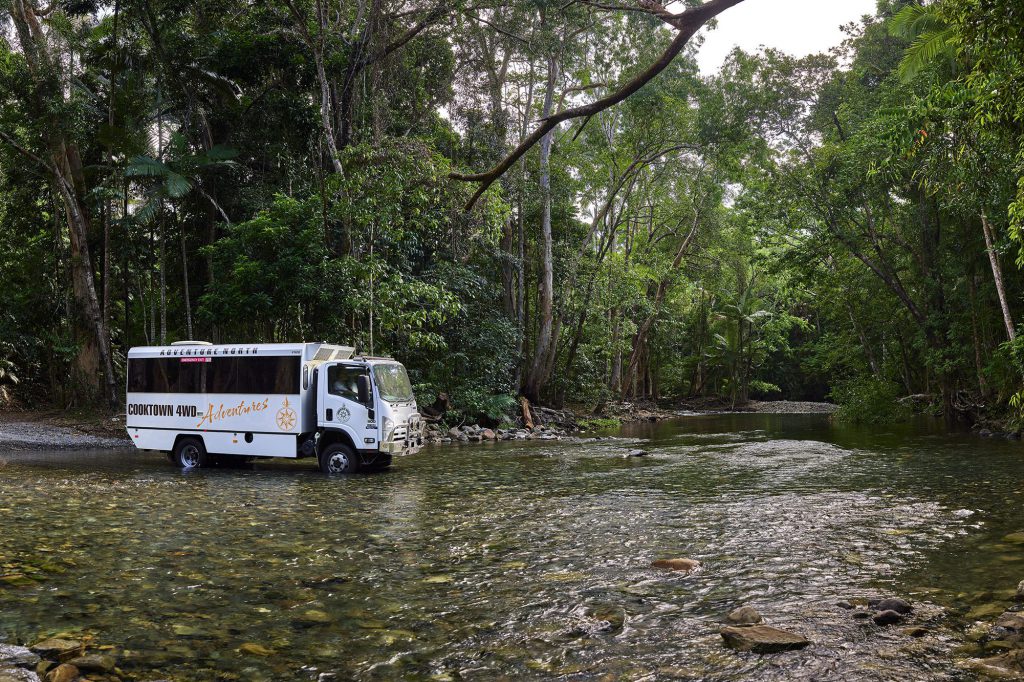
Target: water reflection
(519,560)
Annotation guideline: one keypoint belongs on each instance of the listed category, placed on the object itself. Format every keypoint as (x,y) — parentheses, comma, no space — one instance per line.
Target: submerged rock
(887,618)
(637,453)
(686,565)
(744,615)
(916,631)
(1008,665)
(17,656)
(762,639)
(984,611)
(1016,538)
(58,648)
(255,649)
(99,663)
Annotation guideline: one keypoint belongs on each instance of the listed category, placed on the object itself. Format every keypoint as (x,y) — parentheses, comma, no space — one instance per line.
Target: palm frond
(927,48)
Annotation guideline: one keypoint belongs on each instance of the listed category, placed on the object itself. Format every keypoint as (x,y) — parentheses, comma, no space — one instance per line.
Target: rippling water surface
(514,561)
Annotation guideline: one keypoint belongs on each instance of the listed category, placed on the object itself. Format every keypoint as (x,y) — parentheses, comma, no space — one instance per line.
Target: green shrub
(869,400)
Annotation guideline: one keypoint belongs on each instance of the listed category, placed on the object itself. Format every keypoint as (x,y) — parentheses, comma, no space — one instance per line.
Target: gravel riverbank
(32,432)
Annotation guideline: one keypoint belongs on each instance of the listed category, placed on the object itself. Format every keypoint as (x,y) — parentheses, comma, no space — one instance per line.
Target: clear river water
(526,560)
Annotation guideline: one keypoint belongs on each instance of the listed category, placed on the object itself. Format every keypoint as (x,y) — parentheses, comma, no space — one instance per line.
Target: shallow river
(514,561)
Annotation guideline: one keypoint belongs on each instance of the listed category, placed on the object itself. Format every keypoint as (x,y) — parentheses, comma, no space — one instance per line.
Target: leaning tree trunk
(997,275)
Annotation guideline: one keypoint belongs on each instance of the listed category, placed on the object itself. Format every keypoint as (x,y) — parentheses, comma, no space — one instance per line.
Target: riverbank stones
(744,615)
(762,639)
(683,565)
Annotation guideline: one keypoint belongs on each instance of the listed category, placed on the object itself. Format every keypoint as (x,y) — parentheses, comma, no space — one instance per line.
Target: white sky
(799,27)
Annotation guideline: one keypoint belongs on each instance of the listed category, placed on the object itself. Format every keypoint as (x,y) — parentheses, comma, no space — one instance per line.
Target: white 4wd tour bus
(194,401)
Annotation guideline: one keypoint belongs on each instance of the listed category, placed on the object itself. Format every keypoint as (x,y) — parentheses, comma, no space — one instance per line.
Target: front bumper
(407,439)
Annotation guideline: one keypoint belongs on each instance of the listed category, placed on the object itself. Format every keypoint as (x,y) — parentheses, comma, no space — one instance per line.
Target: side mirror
(363,389)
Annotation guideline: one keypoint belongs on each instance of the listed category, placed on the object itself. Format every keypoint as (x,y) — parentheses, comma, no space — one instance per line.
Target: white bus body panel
(230,423)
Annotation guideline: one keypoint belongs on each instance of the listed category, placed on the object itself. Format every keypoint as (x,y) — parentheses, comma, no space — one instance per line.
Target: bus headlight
(388,428)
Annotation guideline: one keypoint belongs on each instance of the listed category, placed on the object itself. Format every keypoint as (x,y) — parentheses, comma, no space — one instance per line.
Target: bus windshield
(393,383)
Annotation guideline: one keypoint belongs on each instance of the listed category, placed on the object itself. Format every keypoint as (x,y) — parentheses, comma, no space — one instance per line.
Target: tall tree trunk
(536,378)
(64,165)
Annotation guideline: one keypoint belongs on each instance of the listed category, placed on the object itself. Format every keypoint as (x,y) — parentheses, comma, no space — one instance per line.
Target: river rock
(1016,538)
(887,618)
(687,565)
(861,615)
(762,639)
(1020,591)
(58,648)
(898,605)
(98,663)
(637,453)
(65,672)
(17,656)
(744,615)
(1011,620)
(489,435)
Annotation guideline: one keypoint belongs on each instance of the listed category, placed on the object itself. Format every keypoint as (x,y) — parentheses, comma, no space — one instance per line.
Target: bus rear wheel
(339,459)
(190,453)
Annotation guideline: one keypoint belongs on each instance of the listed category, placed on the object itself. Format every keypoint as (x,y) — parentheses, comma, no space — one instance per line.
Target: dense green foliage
(789,227)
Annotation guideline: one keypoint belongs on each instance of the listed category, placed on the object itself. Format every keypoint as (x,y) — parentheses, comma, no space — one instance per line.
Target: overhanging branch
(686,23)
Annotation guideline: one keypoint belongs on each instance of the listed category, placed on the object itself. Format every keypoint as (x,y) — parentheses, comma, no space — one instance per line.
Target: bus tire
(339,459)
(190,453)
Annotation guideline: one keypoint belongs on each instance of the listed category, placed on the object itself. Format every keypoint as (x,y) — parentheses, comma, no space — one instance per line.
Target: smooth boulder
(686,565)
(762,639)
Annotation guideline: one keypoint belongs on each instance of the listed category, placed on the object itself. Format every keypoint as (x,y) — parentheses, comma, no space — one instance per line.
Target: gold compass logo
(286,417)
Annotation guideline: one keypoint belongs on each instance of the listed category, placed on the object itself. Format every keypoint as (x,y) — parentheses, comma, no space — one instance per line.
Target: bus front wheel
(190,453)
(339,459)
